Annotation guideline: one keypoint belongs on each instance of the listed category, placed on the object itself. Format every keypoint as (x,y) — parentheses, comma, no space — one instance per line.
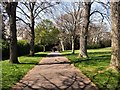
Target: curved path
(54,72)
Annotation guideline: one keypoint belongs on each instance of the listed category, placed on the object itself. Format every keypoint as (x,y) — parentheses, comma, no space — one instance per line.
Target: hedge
(23,48)
(38,48)
(5,50)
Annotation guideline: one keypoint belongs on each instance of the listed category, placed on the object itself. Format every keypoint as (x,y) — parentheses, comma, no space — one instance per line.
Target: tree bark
(84,31)
(44,48)
(73,45)
(83,46)
(62,45)
(11,11)
(32,35)
(115,16)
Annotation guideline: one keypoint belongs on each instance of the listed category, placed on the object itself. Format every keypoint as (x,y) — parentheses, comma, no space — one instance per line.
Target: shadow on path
(54,72)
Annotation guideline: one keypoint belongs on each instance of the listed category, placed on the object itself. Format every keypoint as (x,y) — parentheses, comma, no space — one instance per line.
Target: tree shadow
(55,63)
(71,82)
(93,58)
(99,52)
(34,63)
(39,55)
(102,56)
(69,54)
(54,55)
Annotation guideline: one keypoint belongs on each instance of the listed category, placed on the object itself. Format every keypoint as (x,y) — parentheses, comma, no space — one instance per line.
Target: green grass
(12,73)
(96,68)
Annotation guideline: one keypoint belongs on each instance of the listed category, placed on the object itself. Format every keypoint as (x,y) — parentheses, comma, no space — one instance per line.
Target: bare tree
(115,16)
(70,20)
(84,31)
(34,9)
(87,14)
(75,17)
(99,35)
(10,8)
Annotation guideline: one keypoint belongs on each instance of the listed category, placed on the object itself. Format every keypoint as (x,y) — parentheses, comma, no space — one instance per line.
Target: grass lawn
(96,68)
(12,73)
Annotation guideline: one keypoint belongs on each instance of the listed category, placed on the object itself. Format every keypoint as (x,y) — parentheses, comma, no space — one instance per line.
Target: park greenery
(46,34)
(95,67)
(89,36)
(12,73)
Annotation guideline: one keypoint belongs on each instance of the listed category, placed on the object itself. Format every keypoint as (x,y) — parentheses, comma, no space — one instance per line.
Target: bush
(23,47)
(95,46)
(5,50)
(38,48)
(105,43)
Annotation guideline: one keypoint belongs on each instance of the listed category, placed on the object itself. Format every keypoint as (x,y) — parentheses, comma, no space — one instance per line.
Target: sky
(95,6)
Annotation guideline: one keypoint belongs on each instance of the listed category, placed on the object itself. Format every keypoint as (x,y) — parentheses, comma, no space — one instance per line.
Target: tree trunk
(62,45)
(32,35)
(84,31)
(83,46)
(11,11)
(115,16)
(44,49)
(73,45)
(3,28)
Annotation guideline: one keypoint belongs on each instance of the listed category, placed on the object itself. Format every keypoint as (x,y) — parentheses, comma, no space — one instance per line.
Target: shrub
(38,48)
(23,47)
(95,46)
(5,50)
(105,43)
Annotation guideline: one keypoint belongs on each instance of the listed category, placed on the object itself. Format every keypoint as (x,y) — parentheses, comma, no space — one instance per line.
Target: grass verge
(12,73)
(96,68)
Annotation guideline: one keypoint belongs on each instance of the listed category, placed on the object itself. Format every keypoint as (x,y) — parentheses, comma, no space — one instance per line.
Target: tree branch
(102,14)
(25,4)
(42,10)
(23,11)
(18,18)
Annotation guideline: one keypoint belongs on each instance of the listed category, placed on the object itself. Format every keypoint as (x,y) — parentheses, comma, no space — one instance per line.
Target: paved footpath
(54,72)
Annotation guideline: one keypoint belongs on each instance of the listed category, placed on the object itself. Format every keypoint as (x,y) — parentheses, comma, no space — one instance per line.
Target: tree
(34,8)
(62,37)
(99,35)
(3,28)
(10,8)
(46,34)
(76,17)
(70,19)
(87,15)
(115,16)
(84,31)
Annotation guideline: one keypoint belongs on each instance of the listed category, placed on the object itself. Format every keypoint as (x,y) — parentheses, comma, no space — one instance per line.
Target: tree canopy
(46,33)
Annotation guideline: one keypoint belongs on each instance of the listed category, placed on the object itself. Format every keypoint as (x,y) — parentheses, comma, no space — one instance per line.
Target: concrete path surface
(54,73)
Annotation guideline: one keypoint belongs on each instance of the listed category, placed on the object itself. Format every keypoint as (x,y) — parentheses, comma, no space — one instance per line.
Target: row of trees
(76,19)
(33,12)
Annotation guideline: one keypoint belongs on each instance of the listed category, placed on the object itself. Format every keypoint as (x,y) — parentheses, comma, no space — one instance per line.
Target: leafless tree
(87,14)
(31,11)
(99,34)
(115,16)
(84,31)
(70,20)
(10,8)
